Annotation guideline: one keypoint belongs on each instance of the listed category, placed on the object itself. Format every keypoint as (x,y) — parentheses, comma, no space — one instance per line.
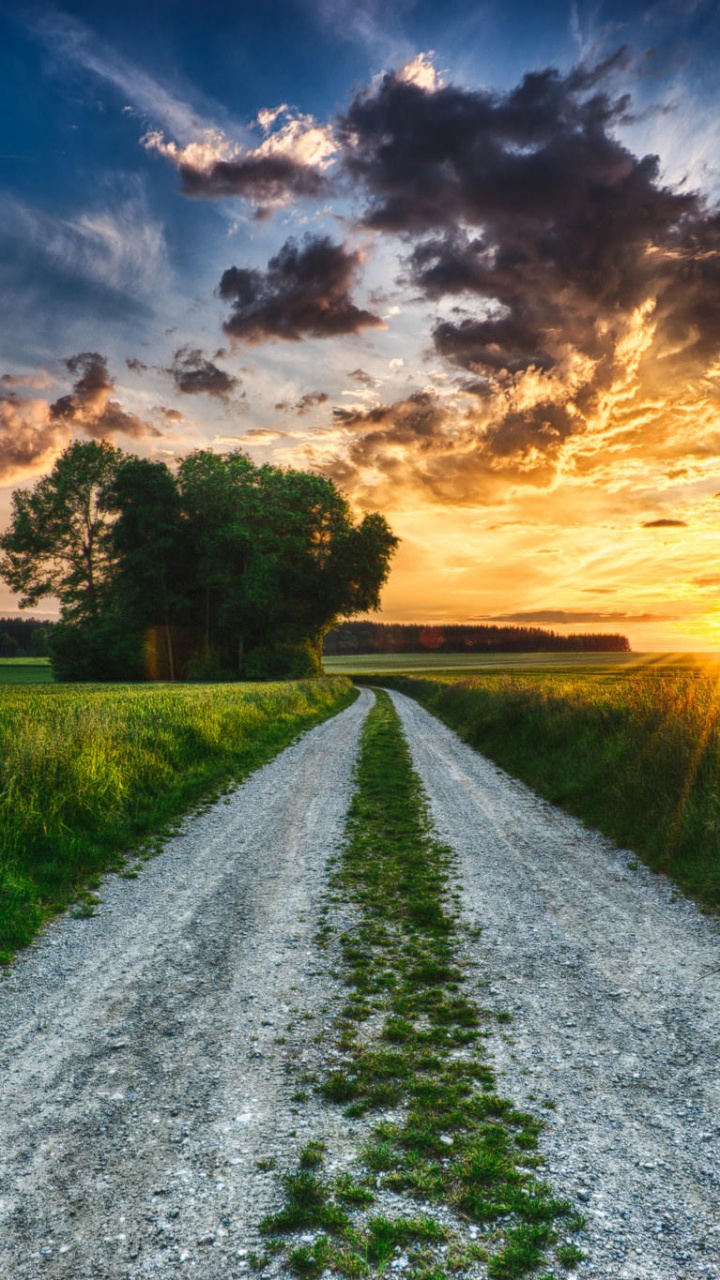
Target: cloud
(33,431)
(260,435)
(40,381)
(29,438)
(448,452)
(372,23)
(571,616)
(585,291)
(289,163)
(364,378)
(664,524)
(104,257)
(74,42)
(306,402)
(305,292)
(136,366)
(193,374)
(88,406)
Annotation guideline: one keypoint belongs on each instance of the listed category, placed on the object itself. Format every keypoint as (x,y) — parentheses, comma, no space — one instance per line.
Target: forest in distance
(391,637)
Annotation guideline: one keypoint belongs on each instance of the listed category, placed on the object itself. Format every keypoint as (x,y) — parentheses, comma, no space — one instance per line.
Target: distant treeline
(24,637)
(391,637)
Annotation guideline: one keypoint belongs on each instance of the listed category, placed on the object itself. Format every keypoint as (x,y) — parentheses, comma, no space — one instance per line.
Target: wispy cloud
(280,155)
(373,23)
(120,245)
(72,40)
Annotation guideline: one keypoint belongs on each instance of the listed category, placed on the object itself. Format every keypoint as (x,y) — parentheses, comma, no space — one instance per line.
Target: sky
(463,258)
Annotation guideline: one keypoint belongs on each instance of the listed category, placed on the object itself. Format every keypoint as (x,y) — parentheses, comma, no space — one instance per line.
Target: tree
(147,584)
(38,646)
(247,566)
(59,540)
(280,561)
(8,645)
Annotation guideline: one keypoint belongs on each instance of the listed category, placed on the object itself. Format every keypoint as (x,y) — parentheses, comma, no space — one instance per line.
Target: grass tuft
(444,1138)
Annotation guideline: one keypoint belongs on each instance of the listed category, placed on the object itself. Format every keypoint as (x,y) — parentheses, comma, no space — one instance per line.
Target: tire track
(614,984)
(141,1075)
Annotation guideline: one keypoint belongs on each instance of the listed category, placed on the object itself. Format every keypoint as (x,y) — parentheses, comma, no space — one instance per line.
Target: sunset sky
(462,257)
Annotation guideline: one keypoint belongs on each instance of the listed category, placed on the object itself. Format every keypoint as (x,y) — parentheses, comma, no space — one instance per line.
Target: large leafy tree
(59,542)
(149,570)
(255,563)
(281,561)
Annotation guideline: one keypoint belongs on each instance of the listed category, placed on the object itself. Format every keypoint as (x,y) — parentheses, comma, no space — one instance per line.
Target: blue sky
(118,223)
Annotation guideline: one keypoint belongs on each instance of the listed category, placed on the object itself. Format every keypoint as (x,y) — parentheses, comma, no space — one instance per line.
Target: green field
(371,664)
(634,751)
(25,671)
(87,772)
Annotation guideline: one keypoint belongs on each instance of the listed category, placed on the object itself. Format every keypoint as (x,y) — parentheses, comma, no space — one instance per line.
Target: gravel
(143,1050)
(613,981)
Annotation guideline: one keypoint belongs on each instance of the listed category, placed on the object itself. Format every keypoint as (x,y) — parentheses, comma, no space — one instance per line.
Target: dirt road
(141,1076)
(144,1052)
(614,986)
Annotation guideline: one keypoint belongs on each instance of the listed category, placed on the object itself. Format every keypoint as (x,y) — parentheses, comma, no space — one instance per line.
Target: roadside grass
(87,774)
(635,754)
(444,1146)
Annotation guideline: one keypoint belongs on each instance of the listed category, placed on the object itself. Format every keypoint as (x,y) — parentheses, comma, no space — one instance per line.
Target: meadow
(633,749)
(368,664)
(25,671)
(89,772)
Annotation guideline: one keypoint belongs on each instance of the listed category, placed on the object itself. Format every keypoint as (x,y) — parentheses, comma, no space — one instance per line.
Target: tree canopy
(234,569)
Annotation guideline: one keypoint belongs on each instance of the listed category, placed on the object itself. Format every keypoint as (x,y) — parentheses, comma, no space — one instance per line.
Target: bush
(283,662)
(100,650)
(8,645)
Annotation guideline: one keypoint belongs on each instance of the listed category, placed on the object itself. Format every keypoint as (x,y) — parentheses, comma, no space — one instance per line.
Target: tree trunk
(171,658)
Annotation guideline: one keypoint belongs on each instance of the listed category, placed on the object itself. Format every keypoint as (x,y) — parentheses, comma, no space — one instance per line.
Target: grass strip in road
(87,772)
(635,754)
(450,1151)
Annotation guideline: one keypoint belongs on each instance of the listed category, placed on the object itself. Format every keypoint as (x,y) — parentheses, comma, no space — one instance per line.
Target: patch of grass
(448,1139)
(634,753)
(88,772)
(25,671)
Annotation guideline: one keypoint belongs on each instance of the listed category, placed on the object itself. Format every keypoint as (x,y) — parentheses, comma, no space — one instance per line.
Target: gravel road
(141,1078)
(614,985)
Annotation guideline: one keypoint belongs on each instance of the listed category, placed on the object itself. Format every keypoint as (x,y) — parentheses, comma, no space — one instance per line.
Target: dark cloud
(88,406)
(305,292)
(266,181)
(135,365)
(364,378)
(304,404)
(171,415)
(664,524)
(193,374)
(527,207)
(33,431)
(431,444)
